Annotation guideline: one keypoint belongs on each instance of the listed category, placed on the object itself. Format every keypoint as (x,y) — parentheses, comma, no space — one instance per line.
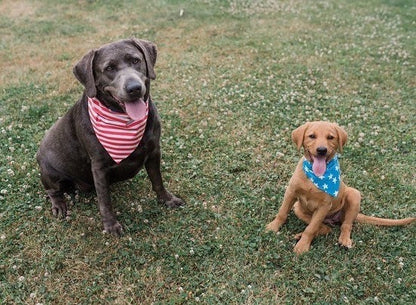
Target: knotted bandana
(330,181)
(117,132)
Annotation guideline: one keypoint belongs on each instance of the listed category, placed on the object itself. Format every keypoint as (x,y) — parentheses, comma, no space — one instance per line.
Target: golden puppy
(316,192)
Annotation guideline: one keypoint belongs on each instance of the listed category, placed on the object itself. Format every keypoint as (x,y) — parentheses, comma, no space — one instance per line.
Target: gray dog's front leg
(102,187)
(153,170)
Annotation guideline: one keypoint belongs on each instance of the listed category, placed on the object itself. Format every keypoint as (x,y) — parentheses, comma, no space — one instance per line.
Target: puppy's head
(320,141)
(119,74)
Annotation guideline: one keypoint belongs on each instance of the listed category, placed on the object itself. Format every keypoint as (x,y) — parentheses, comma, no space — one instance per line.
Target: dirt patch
(18,9)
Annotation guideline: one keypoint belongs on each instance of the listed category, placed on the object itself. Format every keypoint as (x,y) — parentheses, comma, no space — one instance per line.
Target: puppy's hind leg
(351,208)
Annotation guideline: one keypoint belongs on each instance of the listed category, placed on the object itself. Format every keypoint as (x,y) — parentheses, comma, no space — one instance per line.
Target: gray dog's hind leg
(153,170)
(55,187)
(59,207)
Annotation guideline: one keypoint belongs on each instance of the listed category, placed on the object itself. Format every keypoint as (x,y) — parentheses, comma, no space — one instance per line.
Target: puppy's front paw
(274,225)
(114,228)
(345,242)
(301,247)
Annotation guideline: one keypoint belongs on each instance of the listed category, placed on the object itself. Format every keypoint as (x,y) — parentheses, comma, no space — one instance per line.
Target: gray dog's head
(119,73)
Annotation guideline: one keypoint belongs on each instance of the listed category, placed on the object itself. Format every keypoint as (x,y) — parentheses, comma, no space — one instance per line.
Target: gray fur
(71,156)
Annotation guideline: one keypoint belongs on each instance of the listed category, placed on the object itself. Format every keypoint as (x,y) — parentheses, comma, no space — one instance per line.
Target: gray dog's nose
(322,151)
(133,87)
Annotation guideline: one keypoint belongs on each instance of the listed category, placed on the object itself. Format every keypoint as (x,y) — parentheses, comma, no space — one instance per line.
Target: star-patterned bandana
(330,181)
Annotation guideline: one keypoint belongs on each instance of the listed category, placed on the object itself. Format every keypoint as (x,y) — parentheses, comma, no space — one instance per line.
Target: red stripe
(109,132)
(103,111)
(117,132)
(121,145)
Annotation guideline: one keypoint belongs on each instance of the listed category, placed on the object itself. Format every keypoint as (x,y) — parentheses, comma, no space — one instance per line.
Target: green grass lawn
(234,78)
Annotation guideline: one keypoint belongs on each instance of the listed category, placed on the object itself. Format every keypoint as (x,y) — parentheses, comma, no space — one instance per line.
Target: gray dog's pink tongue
(136,110)
(319,166)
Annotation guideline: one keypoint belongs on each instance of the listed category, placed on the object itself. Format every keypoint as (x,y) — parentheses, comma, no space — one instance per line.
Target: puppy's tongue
(136,110)
(319,166)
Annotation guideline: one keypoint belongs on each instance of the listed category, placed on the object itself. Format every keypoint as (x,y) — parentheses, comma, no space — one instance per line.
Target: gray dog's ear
(150,53)
(84,73)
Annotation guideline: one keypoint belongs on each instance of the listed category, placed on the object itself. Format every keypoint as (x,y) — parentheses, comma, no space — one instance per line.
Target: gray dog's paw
(59,208)
(114,228)
(174,202)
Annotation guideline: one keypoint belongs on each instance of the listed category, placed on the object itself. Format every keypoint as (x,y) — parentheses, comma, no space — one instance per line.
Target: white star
(334,180)
(325,186)
(336,193)
(305,168)
(337,168)
(322,177)
(330,176)
(316,185)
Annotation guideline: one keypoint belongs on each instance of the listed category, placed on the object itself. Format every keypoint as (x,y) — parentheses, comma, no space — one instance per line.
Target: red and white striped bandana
(117,132)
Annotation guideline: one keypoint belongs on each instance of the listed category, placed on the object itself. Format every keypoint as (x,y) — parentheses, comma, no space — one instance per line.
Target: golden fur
(312,205)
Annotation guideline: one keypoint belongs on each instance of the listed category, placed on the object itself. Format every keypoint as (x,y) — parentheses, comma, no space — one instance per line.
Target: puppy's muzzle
(321,151)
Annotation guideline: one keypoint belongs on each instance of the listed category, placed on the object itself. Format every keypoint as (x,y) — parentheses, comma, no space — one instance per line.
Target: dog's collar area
(117,132)
(330,181)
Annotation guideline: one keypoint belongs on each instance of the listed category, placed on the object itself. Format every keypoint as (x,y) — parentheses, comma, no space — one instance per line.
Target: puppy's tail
(361,218)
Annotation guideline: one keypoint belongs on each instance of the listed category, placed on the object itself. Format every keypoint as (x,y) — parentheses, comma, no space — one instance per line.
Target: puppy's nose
(133,87)
(321,151)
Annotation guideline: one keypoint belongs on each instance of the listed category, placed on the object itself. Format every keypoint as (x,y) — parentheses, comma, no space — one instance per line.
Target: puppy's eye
(135,61)
(312,136)
(330,137)
(109,68)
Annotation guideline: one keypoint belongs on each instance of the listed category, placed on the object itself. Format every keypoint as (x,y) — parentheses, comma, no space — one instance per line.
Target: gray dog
(110,133)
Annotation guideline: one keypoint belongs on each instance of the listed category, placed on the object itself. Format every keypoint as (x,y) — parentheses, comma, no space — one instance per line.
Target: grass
(234,78)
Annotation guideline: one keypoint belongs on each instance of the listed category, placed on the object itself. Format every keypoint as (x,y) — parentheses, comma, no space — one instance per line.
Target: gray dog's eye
(135,61)
(109,68)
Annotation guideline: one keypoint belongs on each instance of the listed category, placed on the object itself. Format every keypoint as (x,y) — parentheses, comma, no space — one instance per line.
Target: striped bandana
(117,132)
(330,181)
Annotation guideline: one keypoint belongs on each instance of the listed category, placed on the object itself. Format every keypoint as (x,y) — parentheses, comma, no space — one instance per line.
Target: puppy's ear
(84,73)
(149,51)
(298,134)
(342,137)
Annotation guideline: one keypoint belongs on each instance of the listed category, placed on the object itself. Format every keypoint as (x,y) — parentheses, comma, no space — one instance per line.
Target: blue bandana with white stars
(330,181)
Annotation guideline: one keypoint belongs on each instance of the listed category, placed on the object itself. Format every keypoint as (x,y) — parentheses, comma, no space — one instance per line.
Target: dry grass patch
(18,9)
